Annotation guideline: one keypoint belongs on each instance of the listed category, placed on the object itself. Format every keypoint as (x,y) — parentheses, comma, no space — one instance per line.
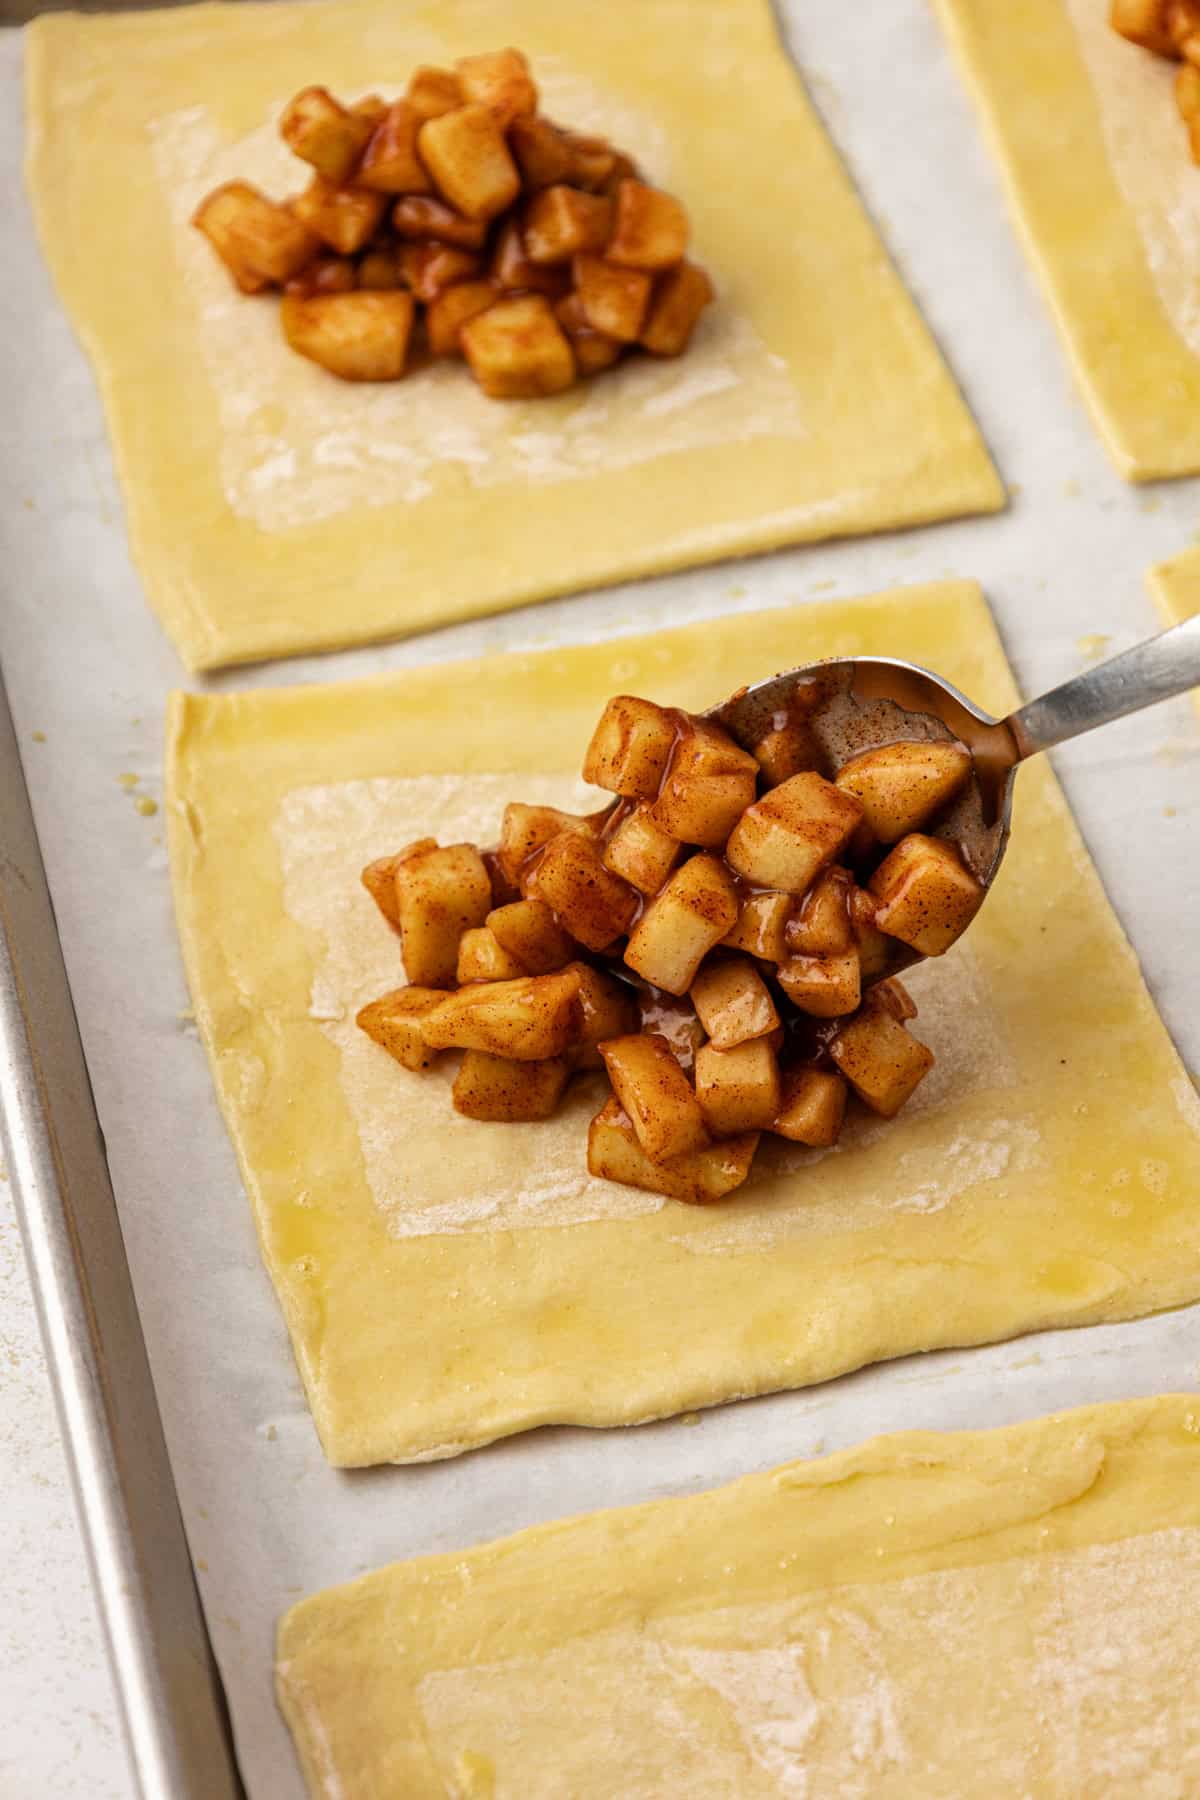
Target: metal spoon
(852,704)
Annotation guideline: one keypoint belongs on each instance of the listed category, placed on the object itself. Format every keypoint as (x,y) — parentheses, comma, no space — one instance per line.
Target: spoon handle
(1161,667)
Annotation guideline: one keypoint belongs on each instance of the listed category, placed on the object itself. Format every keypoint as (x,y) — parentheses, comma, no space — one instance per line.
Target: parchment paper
(87,669)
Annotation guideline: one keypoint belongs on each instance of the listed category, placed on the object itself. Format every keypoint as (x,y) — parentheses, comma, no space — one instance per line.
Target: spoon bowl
(850,704)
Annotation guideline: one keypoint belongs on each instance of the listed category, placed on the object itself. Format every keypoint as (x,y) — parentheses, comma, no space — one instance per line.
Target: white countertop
(59,1734)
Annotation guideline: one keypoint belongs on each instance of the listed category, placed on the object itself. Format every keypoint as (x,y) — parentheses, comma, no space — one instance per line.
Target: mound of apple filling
(721,940)
(458,221)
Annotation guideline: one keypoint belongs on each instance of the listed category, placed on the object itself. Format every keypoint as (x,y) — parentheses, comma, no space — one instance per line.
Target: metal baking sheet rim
(173,1711)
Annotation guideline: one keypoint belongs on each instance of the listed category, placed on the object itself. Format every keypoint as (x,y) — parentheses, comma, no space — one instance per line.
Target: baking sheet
(89,672)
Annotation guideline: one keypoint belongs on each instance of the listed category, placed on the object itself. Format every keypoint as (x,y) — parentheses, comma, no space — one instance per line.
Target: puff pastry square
(447,1283)
(1103,189)
(274,510)
(955,1616)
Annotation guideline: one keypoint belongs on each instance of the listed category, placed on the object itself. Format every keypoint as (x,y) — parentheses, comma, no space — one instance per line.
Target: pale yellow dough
(1175,586)
(447,1283)
(1107,201)
(273,509)
(927,1617)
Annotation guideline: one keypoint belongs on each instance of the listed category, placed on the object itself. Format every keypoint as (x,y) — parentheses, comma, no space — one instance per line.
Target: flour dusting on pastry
(834,1693)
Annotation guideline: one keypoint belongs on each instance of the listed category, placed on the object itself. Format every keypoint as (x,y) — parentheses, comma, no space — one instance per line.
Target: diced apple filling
(901,786)
(738,1089)
(821,924)
(481,957)
(924,894)
(785,839)
(394,1021)
(880,1058)
(357,336)
(812,1106)
(655,1094)
(561,221)
(722,995)
(631,747)
(589,902)
(608,1009)
(517,349)
(505,1092)
(501,81)
(640,852)
(528,1020)
(707,787)
(537,254)
(681,925)
(525,829)
(440,894)
(761,926)
(614,1154)
(733,1003)
(827,987)
(531,934)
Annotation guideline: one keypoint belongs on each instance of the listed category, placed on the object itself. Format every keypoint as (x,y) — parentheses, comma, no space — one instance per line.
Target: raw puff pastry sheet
(447,1283)
(1107,200)
(954,1616)
(273,509)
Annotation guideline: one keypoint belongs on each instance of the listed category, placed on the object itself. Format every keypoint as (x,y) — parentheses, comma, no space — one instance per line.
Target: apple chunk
(650,230)
(467,156)
(528,930)
(679,298)
(439,895)
(733,1002)
(640,853)
(707,787)
(655,1094)
(527,1020)
(346,218)
(379,878)
(503,1092)
(631,747)
(880,1058)
(822,924)
(321,131)
(358,336)
(450,310)
(613,300)
(614,1154)
(761,926)
(391,164)
(738,1090)
(811,1107)
(785,839)
(608,1009)
(499,79)
(924,894)
(695,910)
(560,222)
(517,349)
(432,92)
(394,1022)
(260,243)
(902,785)
(524,830)
(588,901)
(481,957)
(826,987)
